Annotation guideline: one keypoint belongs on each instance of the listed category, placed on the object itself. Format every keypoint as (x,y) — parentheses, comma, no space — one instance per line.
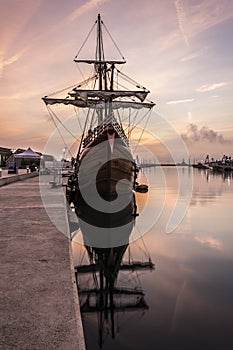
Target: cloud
(14,58)
(210,242)
(84,8)
(201,15)
(181,19)
(180,101)
(193,134)
(210,87)
(15,15)
(89,5)
(59,25)
(193,55)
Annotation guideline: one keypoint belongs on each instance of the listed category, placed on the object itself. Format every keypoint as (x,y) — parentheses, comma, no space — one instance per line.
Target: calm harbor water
(185,300)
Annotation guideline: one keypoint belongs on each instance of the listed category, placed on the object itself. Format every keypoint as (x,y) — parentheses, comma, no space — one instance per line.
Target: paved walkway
(39,304)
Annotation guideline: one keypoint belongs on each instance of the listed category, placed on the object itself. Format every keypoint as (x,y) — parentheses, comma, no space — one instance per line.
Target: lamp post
(64,153)
(42,164)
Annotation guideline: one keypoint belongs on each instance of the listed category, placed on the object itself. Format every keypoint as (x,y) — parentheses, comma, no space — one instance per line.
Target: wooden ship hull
(104,163)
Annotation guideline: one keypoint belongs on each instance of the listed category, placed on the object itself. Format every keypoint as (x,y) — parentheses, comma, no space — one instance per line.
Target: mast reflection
(99,280)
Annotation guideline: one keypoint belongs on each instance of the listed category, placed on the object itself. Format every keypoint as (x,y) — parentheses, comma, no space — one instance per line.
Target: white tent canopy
(28,154)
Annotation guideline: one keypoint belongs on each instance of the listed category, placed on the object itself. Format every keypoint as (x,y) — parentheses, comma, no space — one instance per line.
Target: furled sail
(94,103)
(99,61)
(106,94)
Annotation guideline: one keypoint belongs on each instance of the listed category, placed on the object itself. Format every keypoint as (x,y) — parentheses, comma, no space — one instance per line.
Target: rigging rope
(77,85)
(51,115)
(147,251)
(120,85)
(93,119)
(130,80)
(85,40)
(78,119)
(85,81)
(82,255)
(84,128)
(132,125)
(54,115)
(113,41)
(149,112)
(64,89)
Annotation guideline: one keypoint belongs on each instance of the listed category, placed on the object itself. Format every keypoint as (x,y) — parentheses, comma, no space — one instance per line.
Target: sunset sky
(181,50)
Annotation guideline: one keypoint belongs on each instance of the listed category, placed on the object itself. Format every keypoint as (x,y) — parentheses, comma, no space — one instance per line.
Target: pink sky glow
(179,49)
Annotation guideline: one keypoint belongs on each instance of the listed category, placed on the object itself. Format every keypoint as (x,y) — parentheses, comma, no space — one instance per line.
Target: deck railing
(96,133)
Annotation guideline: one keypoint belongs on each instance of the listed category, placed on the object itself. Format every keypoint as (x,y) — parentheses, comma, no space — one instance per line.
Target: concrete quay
(7,179)
(39,301)
(4,172)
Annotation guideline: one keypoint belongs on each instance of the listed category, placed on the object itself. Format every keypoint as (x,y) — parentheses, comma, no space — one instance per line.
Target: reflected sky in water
(189,293)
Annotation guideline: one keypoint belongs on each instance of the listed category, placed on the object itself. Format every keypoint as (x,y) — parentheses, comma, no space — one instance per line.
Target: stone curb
(10,179)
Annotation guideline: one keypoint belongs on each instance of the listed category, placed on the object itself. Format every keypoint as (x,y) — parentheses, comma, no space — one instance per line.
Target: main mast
(99,52)
(99,66)
(104,96)
(101,63)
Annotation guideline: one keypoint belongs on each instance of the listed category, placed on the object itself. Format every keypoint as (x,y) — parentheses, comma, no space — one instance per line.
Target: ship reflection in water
(186,301)
(107,278)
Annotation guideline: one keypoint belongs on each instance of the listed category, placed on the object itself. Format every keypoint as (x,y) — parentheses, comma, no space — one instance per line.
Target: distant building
(5,153)
(11,157)
(7,156)
(183,163)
